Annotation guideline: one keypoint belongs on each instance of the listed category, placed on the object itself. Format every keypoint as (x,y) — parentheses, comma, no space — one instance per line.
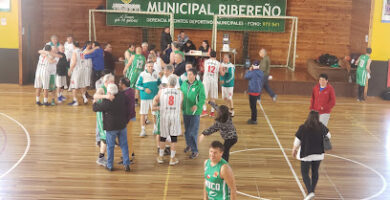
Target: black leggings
(227,145)
(252,104)
(361,92)
(305,167)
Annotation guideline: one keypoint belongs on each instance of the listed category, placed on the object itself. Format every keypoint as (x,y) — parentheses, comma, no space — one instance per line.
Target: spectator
(323,99)
(180,65)
(182,38)
(145,50)
(265,67)
(175,50)
(114,123)
(309,149)
(109,60)
(193,100)
(255,77)
(97,56)
(165,40)
(186,49)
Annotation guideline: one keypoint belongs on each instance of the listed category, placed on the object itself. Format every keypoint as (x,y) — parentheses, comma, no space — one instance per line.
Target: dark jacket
(109,61)
(255,78)
(323,101)
(180,69)
(130,102)
(227,129)
(312,141)
(114,116)
(165,40)
(62,65)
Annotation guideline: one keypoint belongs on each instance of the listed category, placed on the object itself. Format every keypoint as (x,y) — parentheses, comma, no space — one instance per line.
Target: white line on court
(331,182)
(284,153)
(25,151)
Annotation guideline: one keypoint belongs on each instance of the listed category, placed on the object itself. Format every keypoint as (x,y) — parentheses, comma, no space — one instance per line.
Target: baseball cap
(256,64)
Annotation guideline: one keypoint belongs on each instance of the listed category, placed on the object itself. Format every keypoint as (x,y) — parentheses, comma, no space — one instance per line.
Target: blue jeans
(110,139)
(267,87)
(191,125)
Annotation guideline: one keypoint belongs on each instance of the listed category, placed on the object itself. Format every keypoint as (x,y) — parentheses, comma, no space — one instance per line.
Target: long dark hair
(223,115)
(313,120)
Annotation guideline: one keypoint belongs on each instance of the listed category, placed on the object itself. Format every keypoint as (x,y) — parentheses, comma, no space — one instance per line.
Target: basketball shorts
(211,88)
(146,105)
(133,75)
(61,81)
(42,79)
(52,82)
(99,124)
(75,80)
(227,93)
(170,126)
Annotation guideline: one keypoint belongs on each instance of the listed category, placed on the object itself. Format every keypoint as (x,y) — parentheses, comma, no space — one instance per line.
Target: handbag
(327,144)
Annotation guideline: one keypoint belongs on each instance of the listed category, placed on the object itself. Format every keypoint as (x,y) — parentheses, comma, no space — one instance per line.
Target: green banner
(190,14)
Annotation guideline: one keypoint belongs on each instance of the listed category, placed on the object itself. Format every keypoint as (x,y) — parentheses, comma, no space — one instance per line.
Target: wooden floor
(60,163)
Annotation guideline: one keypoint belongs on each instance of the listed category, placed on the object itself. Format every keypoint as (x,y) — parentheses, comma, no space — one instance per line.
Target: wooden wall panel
(324,27)
(360,25)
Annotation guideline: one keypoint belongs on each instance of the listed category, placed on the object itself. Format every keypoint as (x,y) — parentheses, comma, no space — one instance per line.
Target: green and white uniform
(216,187)
(228,81)
(157,130)
(131,53)
(99,120)
(361,71)
(135,69)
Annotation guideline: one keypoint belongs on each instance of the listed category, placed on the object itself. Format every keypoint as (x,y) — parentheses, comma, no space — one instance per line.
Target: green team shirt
(228,78)
(136,67)
(216,187)
(99,119)
(131,53)
(361,71)
(180,52)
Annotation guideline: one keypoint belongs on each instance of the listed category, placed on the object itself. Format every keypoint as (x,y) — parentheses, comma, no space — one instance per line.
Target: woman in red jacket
(323,99)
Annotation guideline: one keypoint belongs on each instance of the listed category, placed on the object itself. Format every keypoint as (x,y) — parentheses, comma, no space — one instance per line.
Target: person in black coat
(166,39)
(115,119)
(309,149)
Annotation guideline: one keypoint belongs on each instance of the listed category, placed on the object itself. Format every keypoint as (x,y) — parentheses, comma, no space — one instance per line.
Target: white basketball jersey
(170,104)
(211,69)
(43,62)
(69,48)
(164,79)
(52,67)
(79,59)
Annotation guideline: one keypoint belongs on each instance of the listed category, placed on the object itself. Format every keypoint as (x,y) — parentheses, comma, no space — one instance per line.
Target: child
(223,124)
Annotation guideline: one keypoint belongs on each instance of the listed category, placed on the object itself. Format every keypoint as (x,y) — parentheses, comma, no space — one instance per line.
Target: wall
(9,45)
(360,24)
(380,39)
(320,29)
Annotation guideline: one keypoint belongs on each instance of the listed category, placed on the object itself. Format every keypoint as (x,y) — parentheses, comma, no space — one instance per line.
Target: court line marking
(331,182)
(384,183)
(25,151)
(5,140)
(282,149)
(166,182)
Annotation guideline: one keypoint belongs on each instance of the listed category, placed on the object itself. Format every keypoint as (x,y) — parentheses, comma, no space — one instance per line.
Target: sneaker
(73,103)
(274,98)
(101,161)
(251,121)
(173,161)
(53,103)
(47,104)
(160,160)
(187,149)
(127,168)
(109,169)
(204,113)
(62,98)
(38,103)
(309,196)
(167,151)
(212,114)
(143,133)
(194,155)
(231,113)
(59,99)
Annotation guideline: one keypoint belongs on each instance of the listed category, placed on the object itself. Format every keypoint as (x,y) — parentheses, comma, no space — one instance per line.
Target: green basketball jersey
(136,67)
(180,52)
(361,71)
(131,53)
(216,187)
(99,120)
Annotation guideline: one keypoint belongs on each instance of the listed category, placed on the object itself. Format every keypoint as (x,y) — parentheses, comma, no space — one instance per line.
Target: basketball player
(69,47)
(219,178)
(101,93)
(134,68)
(184,77)
(76,74)
(227,82)
(147,84)
(156,131)
(42,76)
(170,100)
(168,71)
(175,50)
(210,81)
(62,67)
(128,53)
(52,71)
(362,72)
(53,41)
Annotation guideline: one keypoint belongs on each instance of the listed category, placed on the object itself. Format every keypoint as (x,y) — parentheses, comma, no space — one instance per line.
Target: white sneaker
(274,98)
(309,196)
(173,161)
(143,133)
(160,160)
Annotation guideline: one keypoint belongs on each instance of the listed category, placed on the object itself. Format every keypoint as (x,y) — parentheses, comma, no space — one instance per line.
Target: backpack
(386,95)
(327,59)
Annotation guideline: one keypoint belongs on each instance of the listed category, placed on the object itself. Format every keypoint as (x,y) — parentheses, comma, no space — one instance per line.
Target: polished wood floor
(60,163)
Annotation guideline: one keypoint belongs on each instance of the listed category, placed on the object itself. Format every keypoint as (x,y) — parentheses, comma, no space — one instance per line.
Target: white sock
(143,128)
(204,107)
(212,109)
(85,97)
(75,99)
(44,100)
(58,94)
(36,99)
(173,154)
(161,152)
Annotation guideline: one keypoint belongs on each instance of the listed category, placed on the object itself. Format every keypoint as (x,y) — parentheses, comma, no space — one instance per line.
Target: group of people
(171,88)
